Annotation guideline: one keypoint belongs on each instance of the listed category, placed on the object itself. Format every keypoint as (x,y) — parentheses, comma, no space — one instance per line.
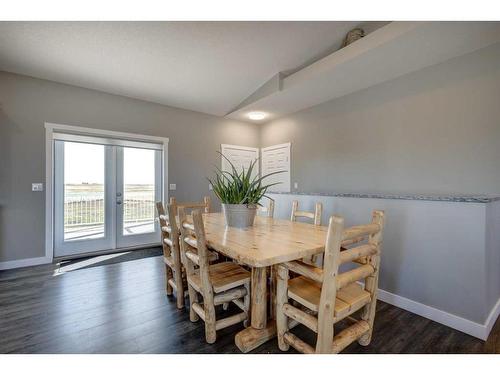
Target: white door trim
(50,129)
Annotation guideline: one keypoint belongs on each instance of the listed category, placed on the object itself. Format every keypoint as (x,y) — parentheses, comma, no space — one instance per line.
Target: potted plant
(239,193)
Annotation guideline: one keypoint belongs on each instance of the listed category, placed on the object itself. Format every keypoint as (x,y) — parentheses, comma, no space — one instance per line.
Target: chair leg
(325,319)
(325,330)
(368,314)
(281,299)
(193,298)
(246,305)
(180,287)
(210,331)
(168,276)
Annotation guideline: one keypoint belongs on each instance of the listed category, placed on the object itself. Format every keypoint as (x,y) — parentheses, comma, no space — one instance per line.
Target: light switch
(295,185)
(173,186)
(37,186)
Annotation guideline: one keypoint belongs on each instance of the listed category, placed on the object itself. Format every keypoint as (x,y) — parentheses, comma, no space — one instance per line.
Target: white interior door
(104,195)
(277,158)
(241,157)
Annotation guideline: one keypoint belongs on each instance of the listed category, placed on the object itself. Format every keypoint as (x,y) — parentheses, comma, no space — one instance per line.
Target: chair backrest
(334,258)
(193,237)
(205,204)
(169,231)
(315,216)
(161,213)
(173,232)
(184,232)
(163,219)
(267,211)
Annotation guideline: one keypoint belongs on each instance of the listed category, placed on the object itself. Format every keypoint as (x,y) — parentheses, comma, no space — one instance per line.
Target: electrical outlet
(173,186)
(295,185)
(37,186)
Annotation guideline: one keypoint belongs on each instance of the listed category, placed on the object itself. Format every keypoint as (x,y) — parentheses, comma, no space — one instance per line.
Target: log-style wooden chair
(218,284)
(316,217)
(327,296)
(266,211)
(171,253)
(204,205)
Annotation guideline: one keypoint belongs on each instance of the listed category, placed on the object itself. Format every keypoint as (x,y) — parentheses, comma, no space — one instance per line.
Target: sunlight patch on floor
(85,263)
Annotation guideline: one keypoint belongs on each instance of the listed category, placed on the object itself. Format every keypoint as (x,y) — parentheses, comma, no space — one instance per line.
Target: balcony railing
(86,211)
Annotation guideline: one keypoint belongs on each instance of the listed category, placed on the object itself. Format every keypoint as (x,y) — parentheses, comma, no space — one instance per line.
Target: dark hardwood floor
(117,304)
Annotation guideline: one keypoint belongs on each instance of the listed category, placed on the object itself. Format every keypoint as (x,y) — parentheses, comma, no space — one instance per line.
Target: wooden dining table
(269,242)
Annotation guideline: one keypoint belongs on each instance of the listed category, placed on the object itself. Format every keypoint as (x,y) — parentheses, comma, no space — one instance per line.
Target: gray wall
(492,254)
(425,254)
(433,131)
(27,103)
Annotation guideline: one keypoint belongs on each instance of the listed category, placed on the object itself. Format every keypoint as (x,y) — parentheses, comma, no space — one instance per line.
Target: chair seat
(307,292)
(223,276)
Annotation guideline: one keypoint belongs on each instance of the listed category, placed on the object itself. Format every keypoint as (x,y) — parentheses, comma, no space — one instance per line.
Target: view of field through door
(104,195)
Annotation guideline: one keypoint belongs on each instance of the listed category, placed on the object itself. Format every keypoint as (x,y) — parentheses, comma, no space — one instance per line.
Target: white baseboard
(492,318)
(24,262)
(478,330)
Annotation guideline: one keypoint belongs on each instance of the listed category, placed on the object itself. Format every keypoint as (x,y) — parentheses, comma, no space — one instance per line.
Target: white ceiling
(203,66)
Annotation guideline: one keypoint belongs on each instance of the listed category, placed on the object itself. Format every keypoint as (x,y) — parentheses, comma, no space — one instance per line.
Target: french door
(104,194)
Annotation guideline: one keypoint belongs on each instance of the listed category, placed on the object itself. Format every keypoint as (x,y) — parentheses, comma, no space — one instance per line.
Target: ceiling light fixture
(256,115)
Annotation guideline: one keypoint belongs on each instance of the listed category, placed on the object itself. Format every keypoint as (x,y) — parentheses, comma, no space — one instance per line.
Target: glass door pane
(83,183)
(83,191)
(138,188)
(138,191)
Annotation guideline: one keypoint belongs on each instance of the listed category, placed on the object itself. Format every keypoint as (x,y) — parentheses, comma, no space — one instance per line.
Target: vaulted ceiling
(203,66)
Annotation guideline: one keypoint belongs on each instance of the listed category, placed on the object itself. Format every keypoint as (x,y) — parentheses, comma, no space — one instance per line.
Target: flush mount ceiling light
(256,115)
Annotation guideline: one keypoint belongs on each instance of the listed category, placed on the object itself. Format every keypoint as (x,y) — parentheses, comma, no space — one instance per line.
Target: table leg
(261,330)
(251,338)
(259,298)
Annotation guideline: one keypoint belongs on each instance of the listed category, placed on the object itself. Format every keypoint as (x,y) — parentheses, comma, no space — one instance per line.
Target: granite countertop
(469,198)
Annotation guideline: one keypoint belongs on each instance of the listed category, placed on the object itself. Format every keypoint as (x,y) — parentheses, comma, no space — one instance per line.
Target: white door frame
(50,129)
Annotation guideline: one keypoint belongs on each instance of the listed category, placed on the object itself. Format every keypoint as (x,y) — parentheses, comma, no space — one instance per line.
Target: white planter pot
(239,215)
